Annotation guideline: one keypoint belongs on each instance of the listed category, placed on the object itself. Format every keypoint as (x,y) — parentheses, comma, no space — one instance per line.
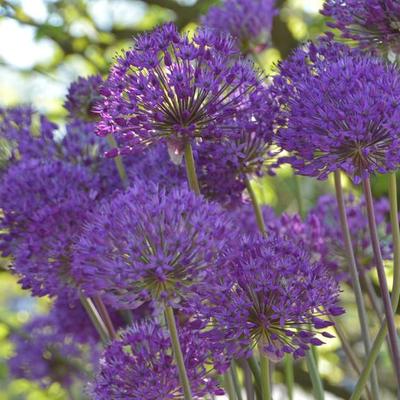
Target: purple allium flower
(45,356)
(140,365)
(25,134)
(174,89)
(223,166)
(150,244)
(248,21)
(44,206)
(373,23)
(274,296)
(327,214)
(83,94)
(341,112)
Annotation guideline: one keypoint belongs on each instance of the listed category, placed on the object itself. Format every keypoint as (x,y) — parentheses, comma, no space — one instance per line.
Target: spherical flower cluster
(224,166)
(327,213)
(44,206)
(272,295)
(372,23)
(140,365)
(83,94)
(248,21)
(342,114)
(25,134)
(43,355)
(150,244)
(174,89)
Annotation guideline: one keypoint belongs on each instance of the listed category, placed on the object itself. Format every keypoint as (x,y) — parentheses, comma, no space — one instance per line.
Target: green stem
(289,376)
(382,277)
(255,369)
(265,377)
(362,314)
(95,318)
(191,169)
(105,316)
(395,292)
(229,385)
(176,347)
(118,161)
(256,207)
(248,379)
(236,382)
(318,388)
(297,193)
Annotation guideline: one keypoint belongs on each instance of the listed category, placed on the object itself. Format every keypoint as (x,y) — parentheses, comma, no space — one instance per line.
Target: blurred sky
(20,51)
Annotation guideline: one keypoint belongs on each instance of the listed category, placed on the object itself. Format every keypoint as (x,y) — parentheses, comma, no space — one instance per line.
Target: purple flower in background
(172,89)
(83,94)
(274,296)
(149,244)
(25,134)
(43,355)
(340,113)
(140,365)
(44,206)
(327,215)
(248,21)
(372,23)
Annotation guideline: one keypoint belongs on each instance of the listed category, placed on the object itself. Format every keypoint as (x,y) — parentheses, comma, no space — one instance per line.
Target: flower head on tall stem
(44,206)
(248,21)
(327,214)
(224,166)
(45,355)
(341,112)
(140,365)
(149,244)
(83,95)
(174,89)
(272,295)
(374,24)
(25,134)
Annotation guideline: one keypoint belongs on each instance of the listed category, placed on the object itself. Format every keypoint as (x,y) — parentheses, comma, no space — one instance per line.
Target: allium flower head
(140,365)
(327,214)
(45,356)
(273,296)
(83,94)
(340,113)
(44,206)
(373,23)
(248,21)
(174,89)
(224,165)
(25,134)
(150,244)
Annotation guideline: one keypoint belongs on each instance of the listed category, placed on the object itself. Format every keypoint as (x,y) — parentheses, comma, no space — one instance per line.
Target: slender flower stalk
(256,207)
(176,347)
(369,363)
(315,377)
(105,316)
(255,369)
(229,385)
(265,377)
(191,169)
(289,376)
(236,382)
(362,314)
(95,318)
(297,193)
(382,277)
